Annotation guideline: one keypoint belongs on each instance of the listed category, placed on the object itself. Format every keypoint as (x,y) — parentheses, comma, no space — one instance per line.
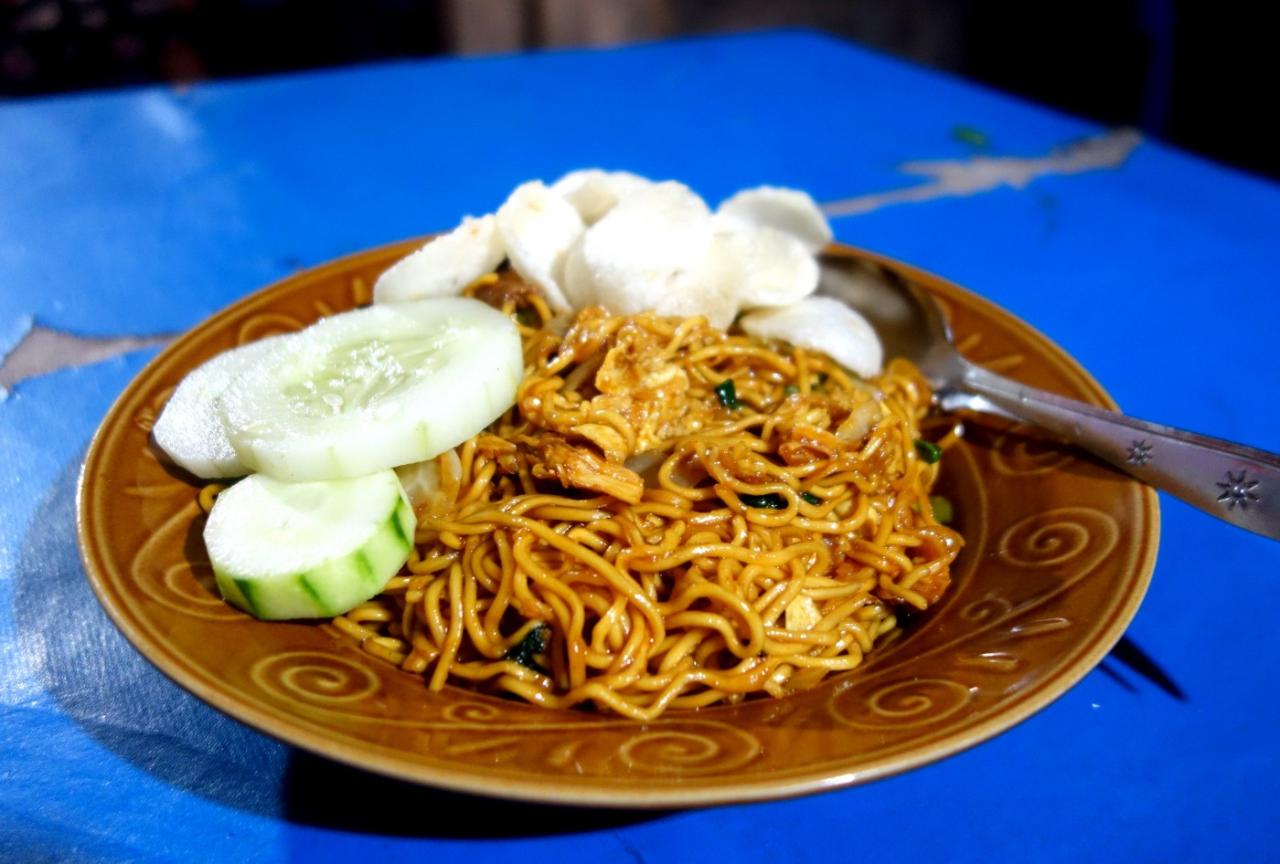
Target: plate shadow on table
(121,701)
(111,692)
(321,792)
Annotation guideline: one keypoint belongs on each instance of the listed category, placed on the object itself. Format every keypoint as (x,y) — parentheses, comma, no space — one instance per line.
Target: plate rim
(701,791)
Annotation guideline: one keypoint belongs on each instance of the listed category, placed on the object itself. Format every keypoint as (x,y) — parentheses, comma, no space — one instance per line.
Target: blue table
(125,217)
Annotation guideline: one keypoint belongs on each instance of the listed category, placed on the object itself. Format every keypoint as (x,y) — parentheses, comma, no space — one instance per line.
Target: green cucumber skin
(231,590)
(327,590)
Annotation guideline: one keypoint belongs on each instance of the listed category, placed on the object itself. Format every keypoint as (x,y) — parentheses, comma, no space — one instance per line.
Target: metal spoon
(1237,484)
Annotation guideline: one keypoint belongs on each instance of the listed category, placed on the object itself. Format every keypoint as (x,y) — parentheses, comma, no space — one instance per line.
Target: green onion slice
(533,644)
(727,394)
(928,451)
(771,501)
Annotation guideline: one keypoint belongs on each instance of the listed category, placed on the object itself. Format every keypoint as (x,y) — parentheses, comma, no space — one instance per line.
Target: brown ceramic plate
(1059,554)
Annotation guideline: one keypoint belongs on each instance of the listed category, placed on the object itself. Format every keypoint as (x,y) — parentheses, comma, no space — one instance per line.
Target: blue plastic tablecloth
(136,214)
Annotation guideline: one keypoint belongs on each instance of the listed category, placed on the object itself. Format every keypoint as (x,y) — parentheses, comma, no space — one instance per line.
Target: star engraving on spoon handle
(1238,490)
(1140,452)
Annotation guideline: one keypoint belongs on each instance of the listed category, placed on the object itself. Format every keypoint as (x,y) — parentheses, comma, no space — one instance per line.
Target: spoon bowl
(1230,481)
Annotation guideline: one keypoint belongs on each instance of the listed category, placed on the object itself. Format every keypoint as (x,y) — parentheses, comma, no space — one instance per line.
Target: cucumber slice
(375,388)
(189,429)
(308,550)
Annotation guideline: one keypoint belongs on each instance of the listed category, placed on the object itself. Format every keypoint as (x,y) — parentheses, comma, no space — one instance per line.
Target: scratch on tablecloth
(951,178)
(43,350)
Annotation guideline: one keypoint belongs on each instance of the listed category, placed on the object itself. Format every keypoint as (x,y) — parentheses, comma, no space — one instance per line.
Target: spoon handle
(1238,484)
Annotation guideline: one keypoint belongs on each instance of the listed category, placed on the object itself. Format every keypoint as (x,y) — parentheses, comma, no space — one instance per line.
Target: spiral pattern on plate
(313,677)
(1078,535)
(1015,456)
(987,608)
(471,712)
(899,704)
(688,749)
(168,578)
(184,592)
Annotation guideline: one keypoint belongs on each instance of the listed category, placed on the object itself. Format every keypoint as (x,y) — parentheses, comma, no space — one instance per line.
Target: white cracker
(655,251)
(594,192)
(538,228)
(445,265)
(579,284)
(825,325)
(788,210)
(773,268)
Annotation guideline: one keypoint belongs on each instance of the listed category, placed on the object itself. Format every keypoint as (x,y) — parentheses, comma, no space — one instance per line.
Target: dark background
(1200,75)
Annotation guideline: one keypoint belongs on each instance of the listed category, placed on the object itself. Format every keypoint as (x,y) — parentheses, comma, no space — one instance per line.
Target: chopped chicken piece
(608,439)
(586,336)
(580,468)
(635,361)
(634,380)
(638,381)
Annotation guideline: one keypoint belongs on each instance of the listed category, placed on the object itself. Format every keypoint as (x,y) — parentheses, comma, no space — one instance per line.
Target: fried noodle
(637,535)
